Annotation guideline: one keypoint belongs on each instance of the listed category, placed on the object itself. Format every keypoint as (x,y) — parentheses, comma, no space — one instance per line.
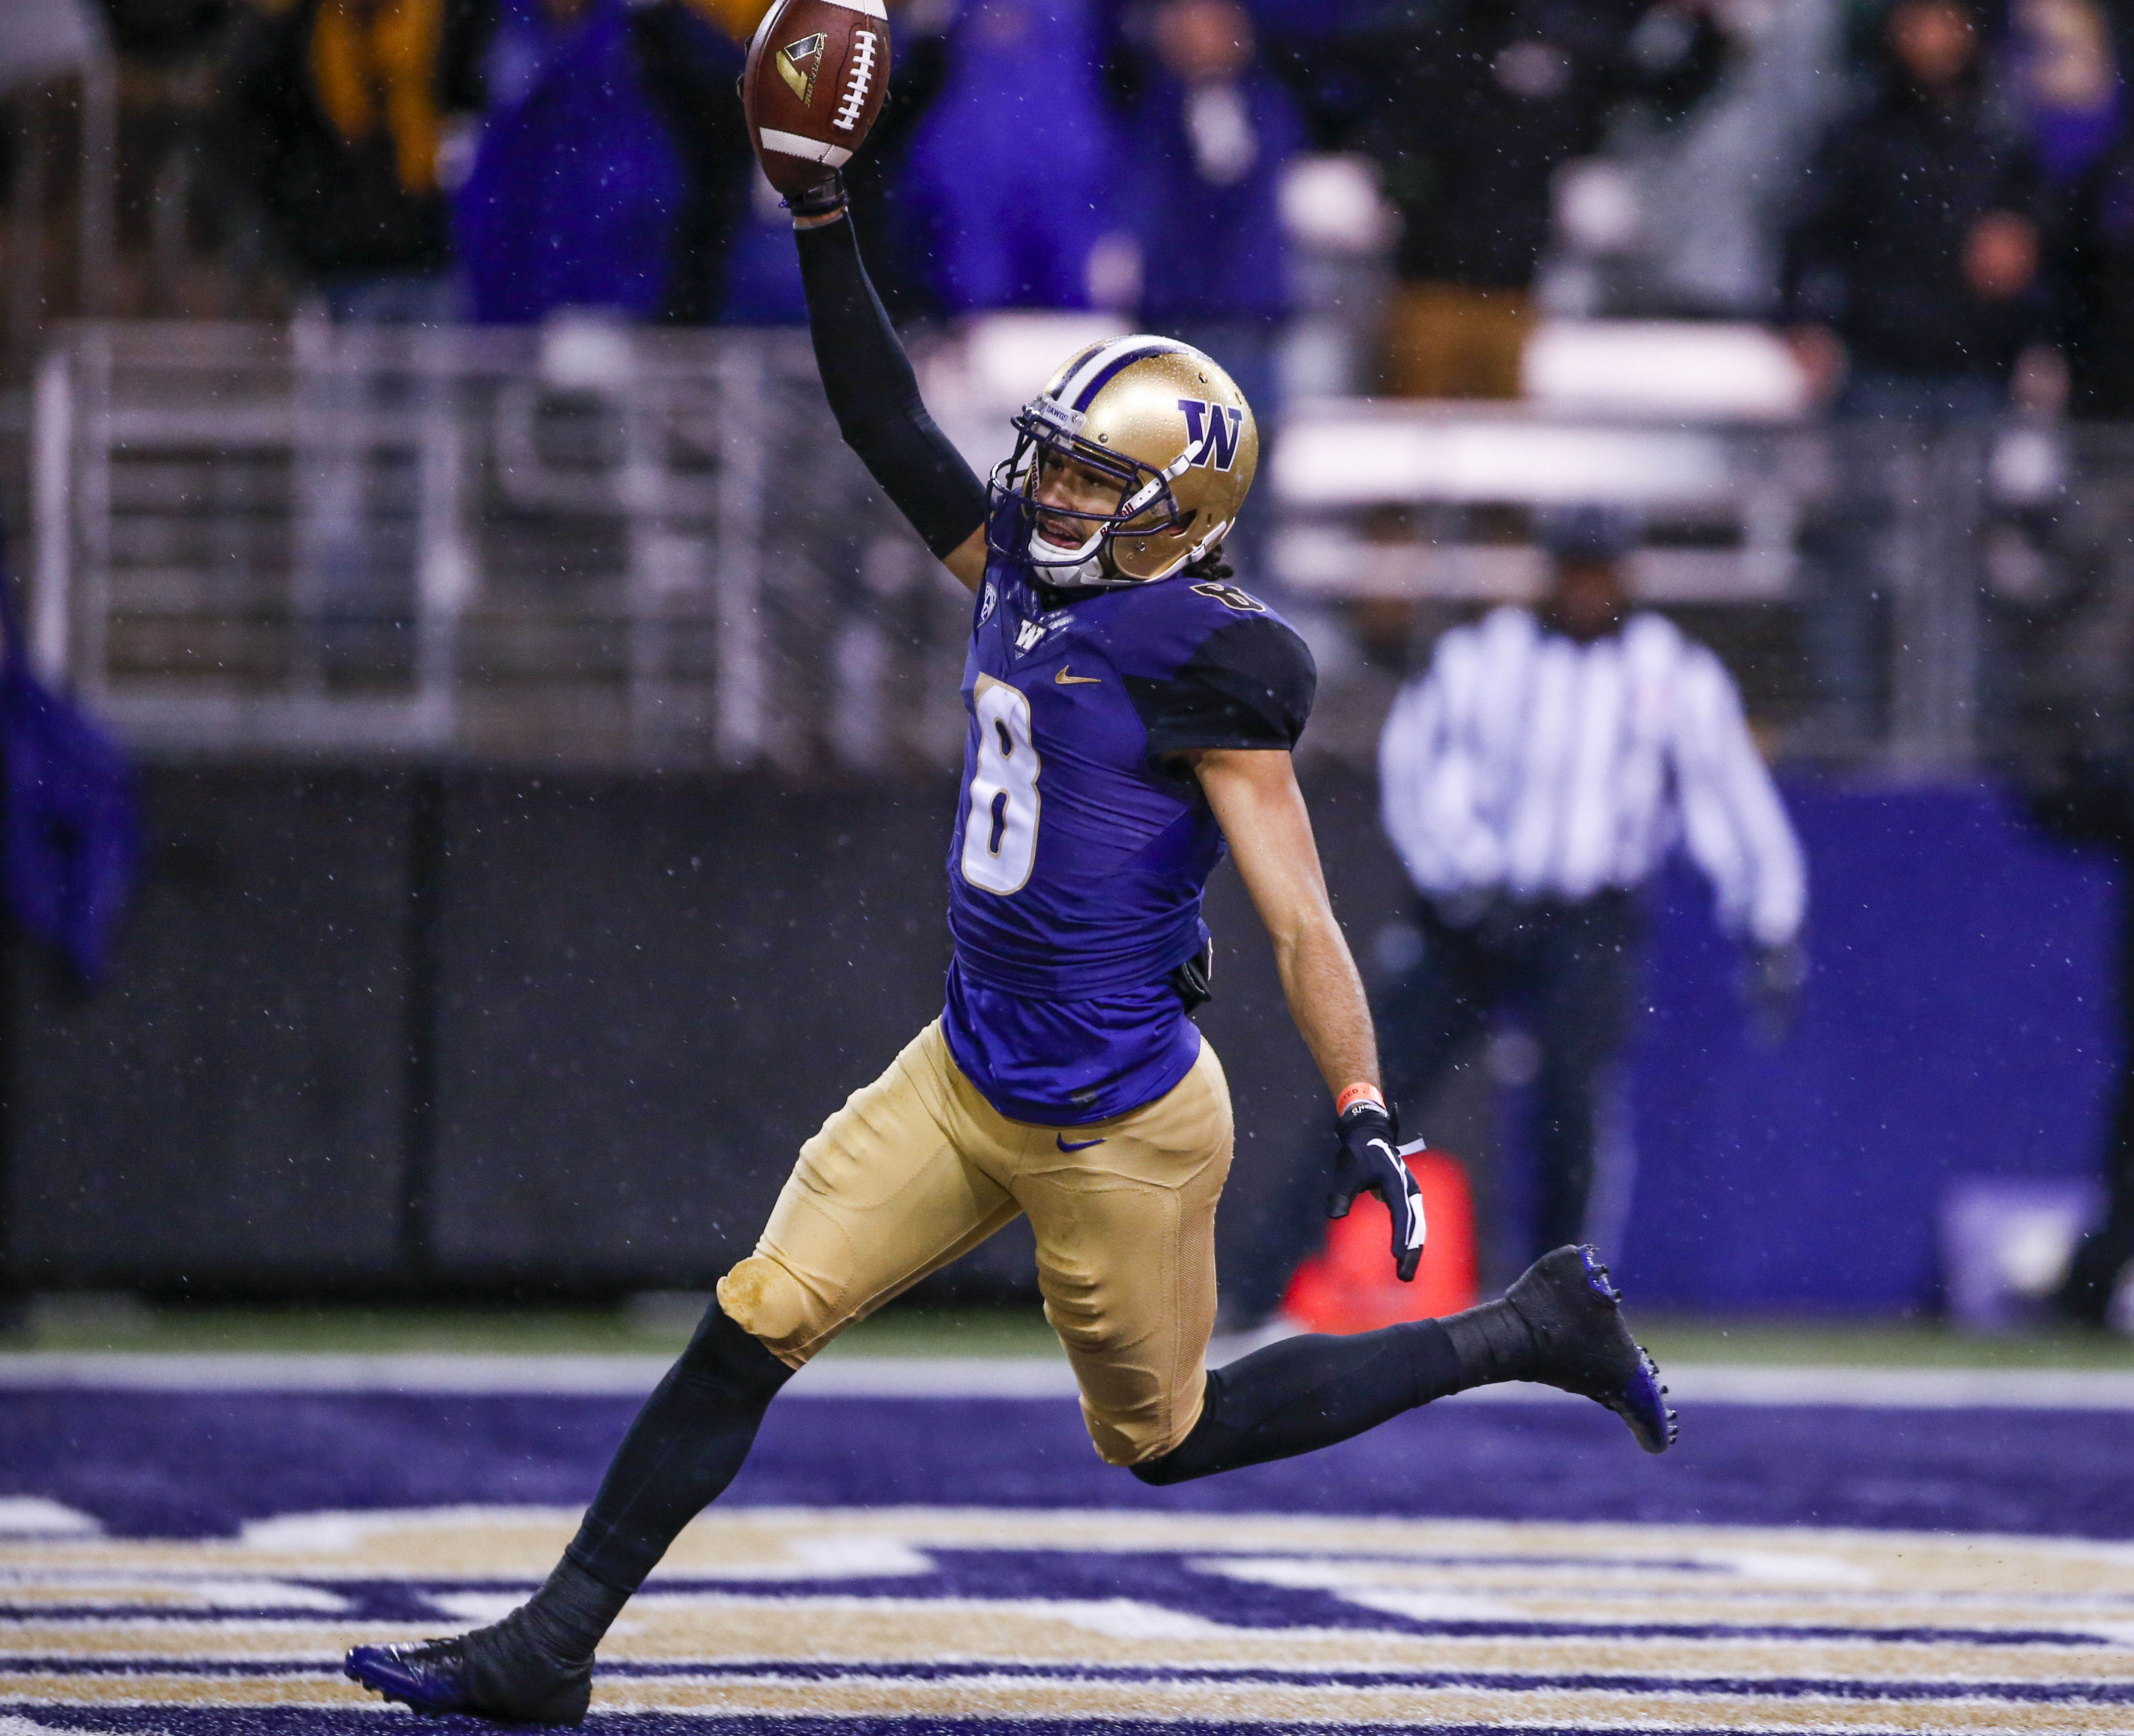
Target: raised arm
(874,394)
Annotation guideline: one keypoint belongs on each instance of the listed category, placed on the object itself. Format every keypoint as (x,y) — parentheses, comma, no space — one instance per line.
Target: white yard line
(855,1375)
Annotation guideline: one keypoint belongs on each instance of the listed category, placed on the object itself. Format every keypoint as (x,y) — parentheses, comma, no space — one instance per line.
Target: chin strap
(1213,539)
(1145,497)
(1086,567)
(1089,569)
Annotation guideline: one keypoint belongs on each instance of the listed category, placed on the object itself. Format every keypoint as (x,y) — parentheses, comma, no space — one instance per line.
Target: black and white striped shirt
(1526,763)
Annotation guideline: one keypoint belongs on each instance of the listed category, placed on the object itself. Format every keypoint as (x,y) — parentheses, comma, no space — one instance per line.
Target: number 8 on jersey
(1000,833)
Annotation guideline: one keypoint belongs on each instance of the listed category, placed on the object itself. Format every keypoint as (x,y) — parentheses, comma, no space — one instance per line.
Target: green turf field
(655,1324)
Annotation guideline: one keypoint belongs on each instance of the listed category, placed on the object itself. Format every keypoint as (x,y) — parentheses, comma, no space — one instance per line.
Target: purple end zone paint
(200,1464)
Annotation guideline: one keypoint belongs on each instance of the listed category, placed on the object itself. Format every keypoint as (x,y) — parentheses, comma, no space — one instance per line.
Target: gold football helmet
(1164,422)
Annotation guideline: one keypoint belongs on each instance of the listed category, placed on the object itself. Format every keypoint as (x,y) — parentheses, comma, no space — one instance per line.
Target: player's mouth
(1061,533)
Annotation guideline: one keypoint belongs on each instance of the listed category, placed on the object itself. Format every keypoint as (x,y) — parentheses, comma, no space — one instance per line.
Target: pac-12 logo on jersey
(1213,431)
(988,603)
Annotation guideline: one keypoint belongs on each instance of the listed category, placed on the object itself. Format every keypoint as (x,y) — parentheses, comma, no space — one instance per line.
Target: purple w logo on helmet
(1212,431)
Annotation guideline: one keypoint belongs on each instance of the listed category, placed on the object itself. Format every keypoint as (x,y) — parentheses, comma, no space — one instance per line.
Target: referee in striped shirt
(1532,780)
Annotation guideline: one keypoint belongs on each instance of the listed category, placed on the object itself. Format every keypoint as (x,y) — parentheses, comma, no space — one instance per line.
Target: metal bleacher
(472,542)
(615,546)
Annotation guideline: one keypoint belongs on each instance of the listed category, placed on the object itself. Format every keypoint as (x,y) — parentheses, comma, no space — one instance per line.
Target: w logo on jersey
(1214,431)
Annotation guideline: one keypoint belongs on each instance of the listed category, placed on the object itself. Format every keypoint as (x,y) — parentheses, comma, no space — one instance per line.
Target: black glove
(1368,1161)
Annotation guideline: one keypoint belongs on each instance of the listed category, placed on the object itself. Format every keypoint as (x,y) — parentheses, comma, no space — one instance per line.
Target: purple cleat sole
(433,1684)
(439,1678)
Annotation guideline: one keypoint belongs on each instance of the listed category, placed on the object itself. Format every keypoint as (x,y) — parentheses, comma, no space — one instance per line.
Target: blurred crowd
(1935,200)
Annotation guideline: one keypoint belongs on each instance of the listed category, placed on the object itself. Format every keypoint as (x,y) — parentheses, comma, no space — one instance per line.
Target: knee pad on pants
(768,1303)
(1143,1434)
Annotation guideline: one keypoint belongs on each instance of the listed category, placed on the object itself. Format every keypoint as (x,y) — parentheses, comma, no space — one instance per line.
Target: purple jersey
(1080,856)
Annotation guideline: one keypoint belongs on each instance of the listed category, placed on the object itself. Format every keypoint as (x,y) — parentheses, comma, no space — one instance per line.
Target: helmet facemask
(1143,504)
(1134,437)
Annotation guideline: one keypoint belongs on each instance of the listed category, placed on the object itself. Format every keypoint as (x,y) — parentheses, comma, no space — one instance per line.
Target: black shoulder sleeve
(874,394)
(1249,685)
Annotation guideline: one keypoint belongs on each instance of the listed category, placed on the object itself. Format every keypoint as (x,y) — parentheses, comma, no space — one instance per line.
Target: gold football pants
(918,1168)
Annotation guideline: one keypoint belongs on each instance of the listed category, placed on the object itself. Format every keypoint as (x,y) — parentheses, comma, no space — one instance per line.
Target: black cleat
(485,1674)
(1582,1345)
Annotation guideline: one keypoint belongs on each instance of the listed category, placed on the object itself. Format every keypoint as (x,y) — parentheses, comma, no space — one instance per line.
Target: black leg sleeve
(874,394)
(680,1453)
(1310,1392)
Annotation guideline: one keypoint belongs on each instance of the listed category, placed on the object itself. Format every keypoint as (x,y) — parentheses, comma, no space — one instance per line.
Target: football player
(1131,713)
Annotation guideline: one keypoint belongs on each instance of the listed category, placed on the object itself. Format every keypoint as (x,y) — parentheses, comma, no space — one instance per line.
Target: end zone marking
(1017,1377)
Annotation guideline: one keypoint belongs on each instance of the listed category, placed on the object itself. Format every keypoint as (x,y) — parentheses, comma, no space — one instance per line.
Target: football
(816,74)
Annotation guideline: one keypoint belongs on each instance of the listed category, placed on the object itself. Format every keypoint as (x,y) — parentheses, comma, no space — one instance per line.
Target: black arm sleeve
(1250,684)
(874,394)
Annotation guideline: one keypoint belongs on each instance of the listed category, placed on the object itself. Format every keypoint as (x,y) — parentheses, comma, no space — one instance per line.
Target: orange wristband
(1351,1096)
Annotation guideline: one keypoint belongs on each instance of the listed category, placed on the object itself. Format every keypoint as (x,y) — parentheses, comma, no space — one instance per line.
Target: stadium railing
(616,547)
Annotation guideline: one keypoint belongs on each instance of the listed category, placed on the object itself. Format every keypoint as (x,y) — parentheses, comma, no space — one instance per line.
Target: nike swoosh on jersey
(1064,679)
(1060,1140)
